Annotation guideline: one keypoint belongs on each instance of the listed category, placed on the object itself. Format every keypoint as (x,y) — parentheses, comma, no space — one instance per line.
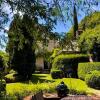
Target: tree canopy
(89,40)
(89,37)
(25,30)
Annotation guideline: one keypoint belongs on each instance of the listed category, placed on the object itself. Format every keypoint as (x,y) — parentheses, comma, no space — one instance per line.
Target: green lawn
(46,83)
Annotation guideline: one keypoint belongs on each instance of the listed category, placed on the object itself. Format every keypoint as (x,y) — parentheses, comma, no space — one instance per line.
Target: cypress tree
(75,21)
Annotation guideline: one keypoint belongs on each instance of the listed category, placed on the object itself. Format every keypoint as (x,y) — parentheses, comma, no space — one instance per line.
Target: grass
(47,84)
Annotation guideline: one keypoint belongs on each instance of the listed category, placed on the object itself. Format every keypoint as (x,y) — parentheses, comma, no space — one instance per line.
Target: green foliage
(93,79)
(75,21)
(91,21)
(88,38)
(1,63)
(2,70)
(68,62)
(2,88)
(57,74)
(20,46)
(25,30)
(60,58)
(85,68)
(55,51)
(4,57)
(47,84)
(11,78)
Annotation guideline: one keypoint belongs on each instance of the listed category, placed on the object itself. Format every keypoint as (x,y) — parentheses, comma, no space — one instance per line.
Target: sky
(60,27)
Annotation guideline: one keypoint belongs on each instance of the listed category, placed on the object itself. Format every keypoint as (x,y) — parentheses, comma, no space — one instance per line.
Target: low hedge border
(85,68)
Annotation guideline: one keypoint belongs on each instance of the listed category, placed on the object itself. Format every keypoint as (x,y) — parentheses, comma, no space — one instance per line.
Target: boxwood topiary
(93,79)
(69,62)
(85,68)
(55,74)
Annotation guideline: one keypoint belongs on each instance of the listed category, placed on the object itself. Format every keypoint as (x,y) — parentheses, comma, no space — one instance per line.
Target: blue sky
(65,27)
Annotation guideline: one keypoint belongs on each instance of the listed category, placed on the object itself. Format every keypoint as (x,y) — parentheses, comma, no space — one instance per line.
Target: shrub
(13,77)
(93,79)
(76,86)
(55,74)
(10,78)
(85,68)
(55,51)
(2,87)
(2,81)
(4,61)
(69,62)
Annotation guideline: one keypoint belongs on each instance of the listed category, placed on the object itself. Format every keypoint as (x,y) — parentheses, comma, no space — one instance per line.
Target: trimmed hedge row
(69,62)
(85,68)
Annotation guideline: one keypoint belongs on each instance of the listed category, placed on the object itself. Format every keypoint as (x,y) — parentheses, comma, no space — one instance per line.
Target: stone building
(40,63)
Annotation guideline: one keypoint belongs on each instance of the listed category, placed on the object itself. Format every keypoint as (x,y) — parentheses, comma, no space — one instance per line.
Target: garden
(36,57)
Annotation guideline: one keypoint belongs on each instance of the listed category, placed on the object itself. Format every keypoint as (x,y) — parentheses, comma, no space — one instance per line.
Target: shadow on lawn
(40,79)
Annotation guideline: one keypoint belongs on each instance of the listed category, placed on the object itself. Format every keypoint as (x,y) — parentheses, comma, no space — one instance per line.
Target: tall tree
(20,46)
(75,21)
(25,30)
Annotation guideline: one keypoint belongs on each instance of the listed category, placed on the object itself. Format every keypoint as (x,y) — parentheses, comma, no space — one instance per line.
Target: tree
(25,30)
(20,46)
(75,21)
(62,8)
(66,8)
(92,22)
(69,37)
(89,41)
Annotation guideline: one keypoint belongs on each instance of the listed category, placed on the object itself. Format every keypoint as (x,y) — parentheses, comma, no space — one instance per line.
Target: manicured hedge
(93,79)
(55,74)
(85,68)
(69,61)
